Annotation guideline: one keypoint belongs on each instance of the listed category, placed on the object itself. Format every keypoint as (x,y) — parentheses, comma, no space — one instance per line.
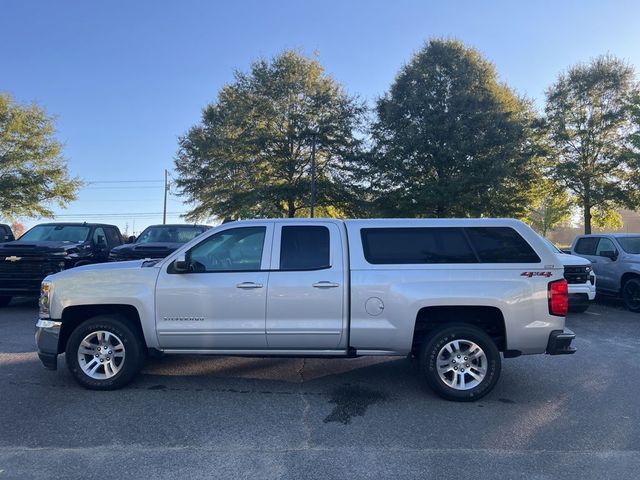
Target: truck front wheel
(461,362)
(104,353)
(631,294)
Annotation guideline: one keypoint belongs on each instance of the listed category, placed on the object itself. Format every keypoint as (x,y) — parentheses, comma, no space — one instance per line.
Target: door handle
(248,285)
(325,284)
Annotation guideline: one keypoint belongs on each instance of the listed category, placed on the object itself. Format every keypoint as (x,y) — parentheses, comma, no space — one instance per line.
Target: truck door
(604,266)
(220,302)
(306,295)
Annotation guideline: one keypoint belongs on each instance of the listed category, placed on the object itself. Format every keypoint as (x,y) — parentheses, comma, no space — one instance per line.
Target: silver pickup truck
(453,293)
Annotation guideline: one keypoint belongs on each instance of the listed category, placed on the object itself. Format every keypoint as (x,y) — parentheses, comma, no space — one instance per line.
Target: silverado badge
(12,258)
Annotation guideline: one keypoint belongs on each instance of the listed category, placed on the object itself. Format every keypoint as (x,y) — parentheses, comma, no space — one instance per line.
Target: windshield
(630,244)
(167,234)
(56,233)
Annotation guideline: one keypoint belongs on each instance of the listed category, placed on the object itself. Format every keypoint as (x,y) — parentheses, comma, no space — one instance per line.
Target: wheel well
(626,277)
(489,319)
(74,316)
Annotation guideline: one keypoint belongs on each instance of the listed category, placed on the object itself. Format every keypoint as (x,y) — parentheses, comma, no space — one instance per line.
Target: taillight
(559,298)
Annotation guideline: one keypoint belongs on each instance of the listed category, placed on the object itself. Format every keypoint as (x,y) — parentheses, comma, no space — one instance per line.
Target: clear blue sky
(126,78)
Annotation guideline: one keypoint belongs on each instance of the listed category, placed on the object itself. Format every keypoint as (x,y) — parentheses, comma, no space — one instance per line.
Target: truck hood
(18,247)
(572,260)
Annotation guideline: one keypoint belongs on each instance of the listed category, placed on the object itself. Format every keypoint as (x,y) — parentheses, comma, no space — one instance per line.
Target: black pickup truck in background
(157,241)
(6,235)
(49,248)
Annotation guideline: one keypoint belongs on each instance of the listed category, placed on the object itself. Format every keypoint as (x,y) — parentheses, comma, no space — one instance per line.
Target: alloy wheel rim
(101,355)
(461,364)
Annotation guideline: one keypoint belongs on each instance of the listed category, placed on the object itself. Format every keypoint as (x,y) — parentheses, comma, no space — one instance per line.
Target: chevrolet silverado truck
(456,294)
(580,277)
(49,248)
(616,260)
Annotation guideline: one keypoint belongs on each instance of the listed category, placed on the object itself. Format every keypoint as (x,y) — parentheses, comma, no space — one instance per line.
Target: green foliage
(251,154)
(606,217)
(451,140)
(550,208)
(33,173)
(589,119)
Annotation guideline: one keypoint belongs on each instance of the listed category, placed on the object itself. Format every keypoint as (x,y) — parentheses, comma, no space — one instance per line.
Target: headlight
(588,269)
(45,299)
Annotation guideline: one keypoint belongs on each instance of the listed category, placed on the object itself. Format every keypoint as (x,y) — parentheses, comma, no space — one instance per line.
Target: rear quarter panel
(406,289)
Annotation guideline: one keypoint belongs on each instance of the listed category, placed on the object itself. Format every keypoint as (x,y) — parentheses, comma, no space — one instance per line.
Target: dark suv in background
(157,241)
(6,235)
(49,248)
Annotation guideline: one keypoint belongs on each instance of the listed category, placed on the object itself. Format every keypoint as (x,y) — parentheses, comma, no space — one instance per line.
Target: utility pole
(166,190)
(313,173)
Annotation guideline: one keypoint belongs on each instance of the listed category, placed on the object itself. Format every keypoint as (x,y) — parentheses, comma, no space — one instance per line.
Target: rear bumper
(47,342)
(560,342)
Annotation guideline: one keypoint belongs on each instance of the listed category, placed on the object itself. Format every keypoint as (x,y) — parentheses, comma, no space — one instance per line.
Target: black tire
(463,332)
(133,348)
(4,301)
(579,308)
(631,294)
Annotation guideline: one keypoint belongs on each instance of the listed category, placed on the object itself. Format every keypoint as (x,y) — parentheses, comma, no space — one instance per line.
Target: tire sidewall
(429,356)
(133,352)
(624,294)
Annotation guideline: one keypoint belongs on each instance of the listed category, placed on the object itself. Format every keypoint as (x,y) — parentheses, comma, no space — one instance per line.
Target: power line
(119,214)
(123,181)
(136,187)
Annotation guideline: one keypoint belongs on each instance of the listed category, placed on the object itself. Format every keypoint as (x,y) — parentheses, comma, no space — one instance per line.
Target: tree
(451,140)
(550,208)
(251,154)
(33,173)
(589,117)
(18,229)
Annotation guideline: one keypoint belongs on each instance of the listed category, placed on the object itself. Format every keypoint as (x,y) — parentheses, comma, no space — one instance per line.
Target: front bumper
(560,342)
(47,342)
(582,289)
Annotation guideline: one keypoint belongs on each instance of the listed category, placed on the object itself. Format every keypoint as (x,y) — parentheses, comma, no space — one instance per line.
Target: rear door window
(587,246)
(416,245)
(305,248)
(501,245)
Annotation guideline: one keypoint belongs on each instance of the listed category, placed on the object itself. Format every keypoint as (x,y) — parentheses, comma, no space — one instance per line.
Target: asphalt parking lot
(210,417)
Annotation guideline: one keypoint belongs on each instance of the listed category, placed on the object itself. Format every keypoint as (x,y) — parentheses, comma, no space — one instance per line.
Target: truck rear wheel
(4,301)
(104,353)
(461,362)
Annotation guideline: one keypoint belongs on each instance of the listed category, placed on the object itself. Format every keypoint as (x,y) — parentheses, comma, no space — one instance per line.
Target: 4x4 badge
(536,274)
(12,258)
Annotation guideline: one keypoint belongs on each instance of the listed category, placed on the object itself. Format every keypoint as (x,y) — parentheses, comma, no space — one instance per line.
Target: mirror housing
(181,264)
(610,254)
(131,239)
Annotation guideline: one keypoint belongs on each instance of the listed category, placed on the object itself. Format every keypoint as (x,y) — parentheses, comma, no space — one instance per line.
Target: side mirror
(131,239)
(180,264)
(610,254)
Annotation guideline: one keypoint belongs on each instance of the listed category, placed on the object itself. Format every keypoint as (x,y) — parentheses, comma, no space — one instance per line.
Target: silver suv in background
(616,260)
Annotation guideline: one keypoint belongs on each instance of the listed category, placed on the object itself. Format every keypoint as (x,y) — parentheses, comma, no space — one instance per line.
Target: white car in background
(581,279)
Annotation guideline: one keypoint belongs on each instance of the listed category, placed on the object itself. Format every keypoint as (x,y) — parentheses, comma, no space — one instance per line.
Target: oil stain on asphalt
(352,401)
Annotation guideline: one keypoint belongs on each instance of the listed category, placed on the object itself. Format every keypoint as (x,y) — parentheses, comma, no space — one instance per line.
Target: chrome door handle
(248,285)
(325,285)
